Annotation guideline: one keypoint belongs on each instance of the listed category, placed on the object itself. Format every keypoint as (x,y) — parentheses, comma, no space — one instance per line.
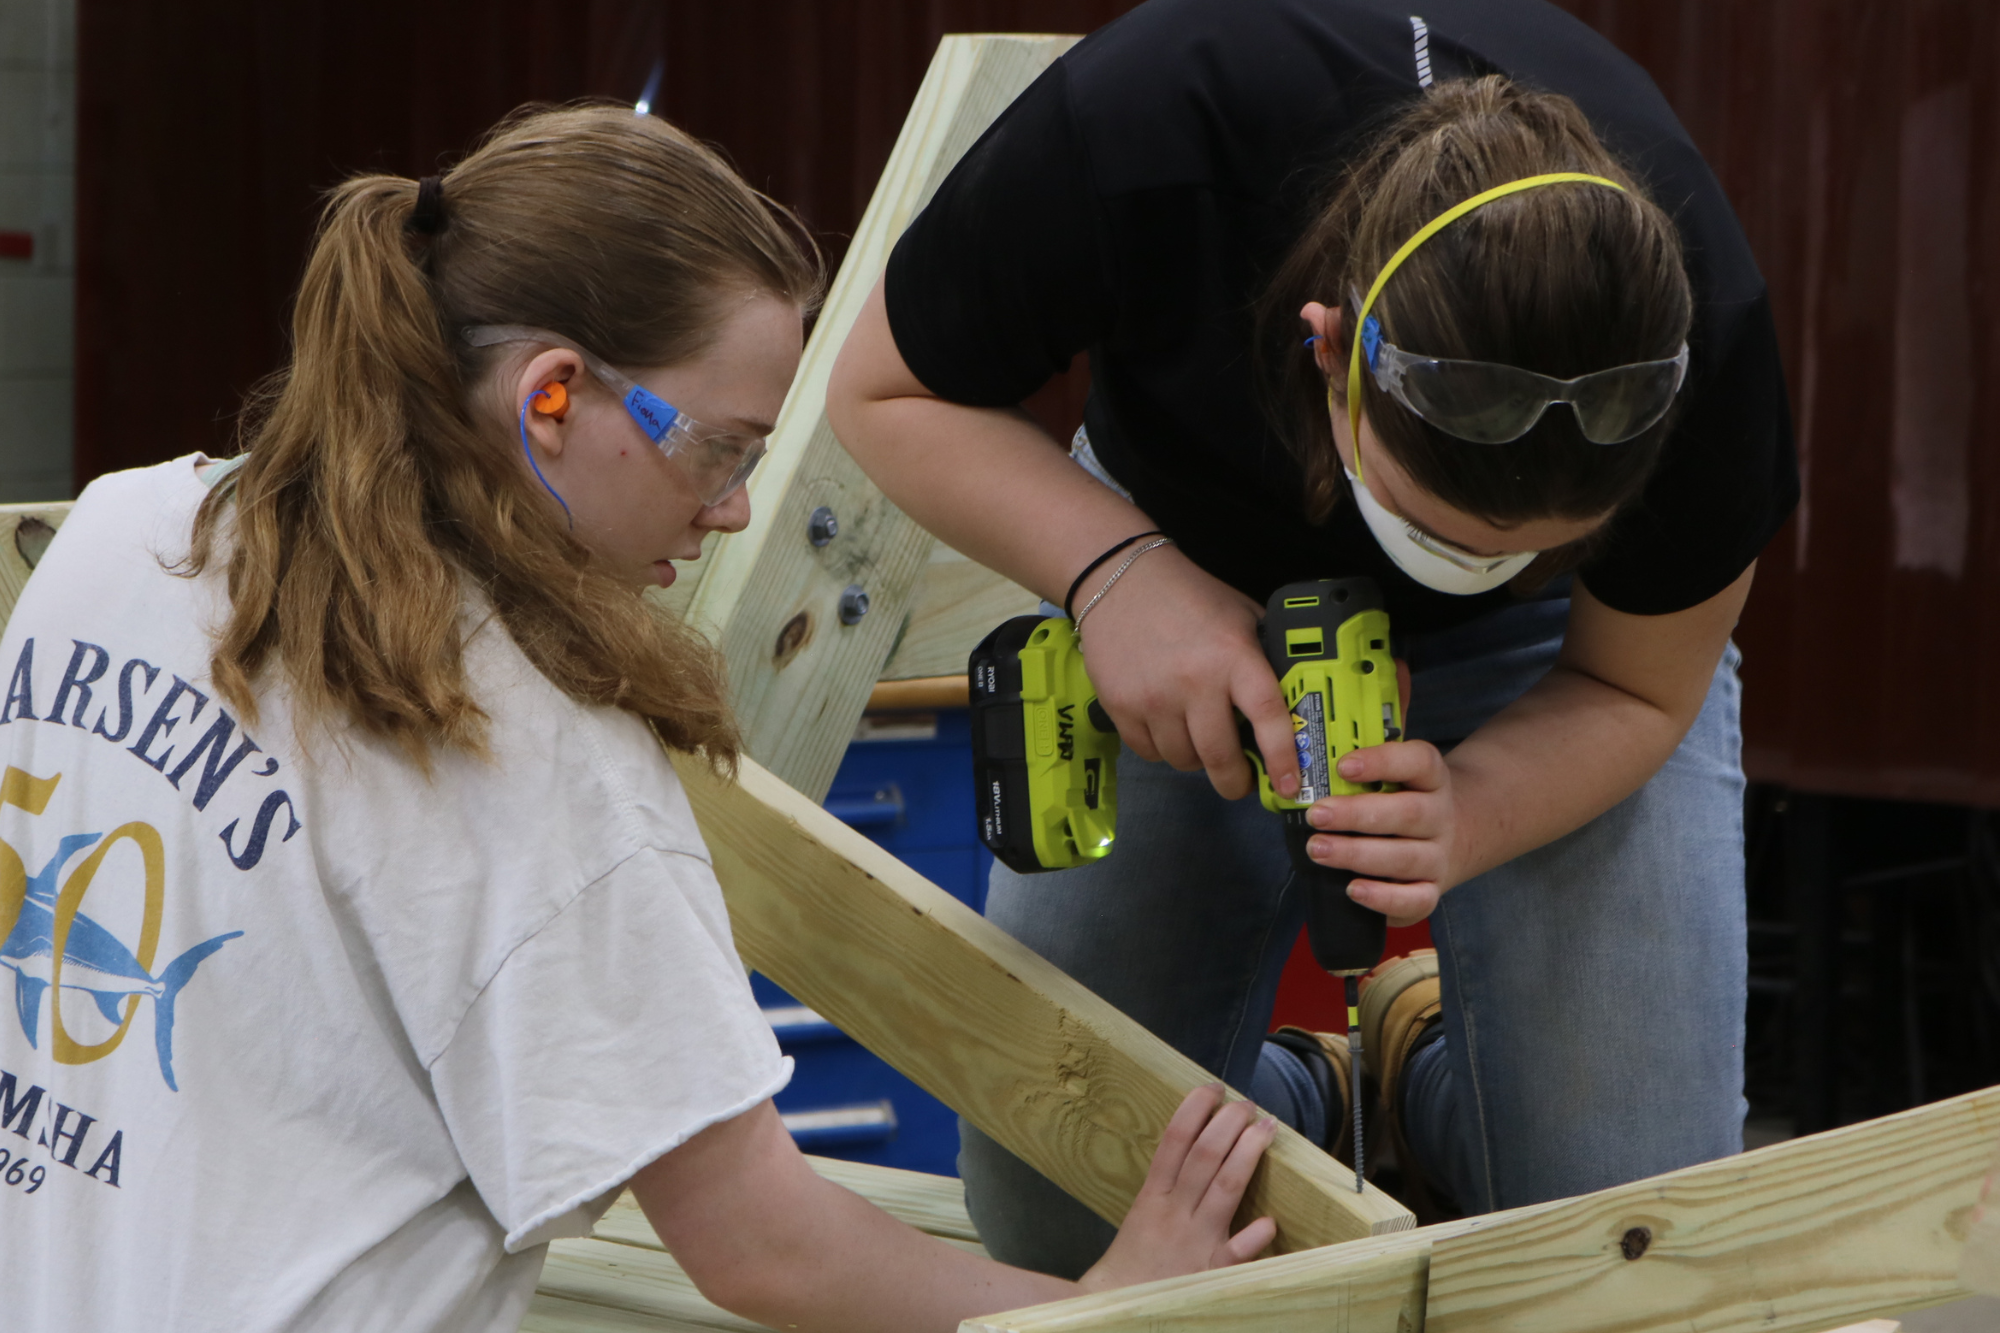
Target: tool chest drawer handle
(864,1122)
(878,807)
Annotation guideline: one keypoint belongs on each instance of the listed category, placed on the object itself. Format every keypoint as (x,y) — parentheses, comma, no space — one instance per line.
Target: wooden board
(24,534)
(1857,1223)
(1364,1286)
(1865,1221)
(993,1030)
(957,603)
(769,598)
(1980,1267)
(592,1285)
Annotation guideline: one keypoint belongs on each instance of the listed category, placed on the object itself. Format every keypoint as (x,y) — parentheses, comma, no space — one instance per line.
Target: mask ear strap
(1428,230)
(541,393)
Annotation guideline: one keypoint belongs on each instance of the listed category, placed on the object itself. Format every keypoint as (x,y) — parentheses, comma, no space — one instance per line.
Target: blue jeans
(1594,988)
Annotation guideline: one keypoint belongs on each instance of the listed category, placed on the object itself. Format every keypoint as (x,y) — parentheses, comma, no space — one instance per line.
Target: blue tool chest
(906,782)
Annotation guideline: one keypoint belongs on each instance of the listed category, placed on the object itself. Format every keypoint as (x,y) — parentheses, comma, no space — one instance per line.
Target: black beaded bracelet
(1070,596)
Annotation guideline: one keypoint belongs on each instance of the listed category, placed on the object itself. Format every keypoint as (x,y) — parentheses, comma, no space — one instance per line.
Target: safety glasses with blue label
(716,462)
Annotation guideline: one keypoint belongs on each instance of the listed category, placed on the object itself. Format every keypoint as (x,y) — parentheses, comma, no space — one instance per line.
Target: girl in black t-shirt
(1558,442)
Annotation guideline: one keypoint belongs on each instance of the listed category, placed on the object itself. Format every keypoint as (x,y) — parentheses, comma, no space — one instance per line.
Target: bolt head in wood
(853,604)
(822,526)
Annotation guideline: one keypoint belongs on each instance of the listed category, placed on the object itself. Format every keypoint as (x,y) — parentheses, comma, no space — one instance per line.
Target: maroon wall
(1850,134)
(209,128)
(1854,140)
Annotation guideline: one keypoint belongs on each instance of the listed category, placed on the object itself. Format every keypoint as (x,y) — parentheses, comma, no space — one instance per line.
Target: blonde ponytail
(372,503)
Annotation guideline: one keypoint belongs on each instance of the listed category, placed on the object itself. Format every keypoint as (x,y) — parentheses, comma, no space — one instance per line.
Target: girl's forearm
(1549,763)
(1609,714)
(847,1265)
(989,482)
(763,1236)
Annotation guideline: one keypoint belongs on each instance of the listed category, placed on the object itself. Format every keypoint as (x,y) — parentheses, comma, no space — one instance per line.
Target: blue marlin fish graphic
(94,961)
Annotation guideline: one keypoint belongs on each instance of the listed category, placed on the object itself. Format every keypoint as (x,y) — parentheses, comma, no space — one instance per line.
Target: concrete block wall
(37,294)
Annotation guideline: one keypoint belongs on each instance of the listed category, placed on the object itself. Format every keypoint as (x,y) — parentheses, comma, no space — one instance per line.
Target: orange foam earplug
(552,399)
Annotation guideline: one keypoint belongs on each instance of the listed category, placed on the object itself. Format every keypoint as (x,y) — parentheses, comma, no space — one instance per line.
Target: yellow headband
(1430,229)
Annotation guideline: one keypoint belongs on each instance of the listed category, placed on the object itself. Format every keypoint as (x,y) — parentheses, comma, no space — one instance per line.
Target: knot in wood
(1635,1242)
(31,538)
(796,634)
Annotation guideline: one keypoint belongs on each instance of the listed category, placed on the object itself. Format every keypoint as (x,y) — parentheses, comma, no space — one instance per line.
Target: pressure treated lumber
(990,1028)
(592,1285)
(1861,1222)
(769,598)
(1375,1285)
(957,603)
(24,534)
(1980,1266)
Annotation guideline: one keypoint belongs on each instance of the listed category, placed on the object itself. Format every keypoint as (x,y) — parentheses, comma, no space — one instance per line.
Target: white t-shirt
(316,1042)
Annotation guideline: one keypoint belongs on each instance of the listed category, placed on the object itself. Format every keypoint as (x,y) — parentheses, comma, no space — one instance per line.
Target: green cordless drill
(1045,754)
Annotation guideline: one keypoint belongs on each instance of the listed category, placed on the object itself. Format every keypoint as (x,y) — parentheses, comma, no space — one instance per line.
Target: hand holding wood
(1179,1223)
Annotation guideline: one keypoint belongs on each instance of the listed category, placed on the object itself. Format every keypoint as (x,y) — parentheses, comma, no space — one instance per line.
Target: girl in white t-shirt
(436,963)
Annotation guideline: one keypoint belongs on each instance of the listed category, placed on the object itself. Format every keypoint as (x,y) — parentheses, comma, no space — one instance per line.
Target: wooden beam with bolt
(808,601)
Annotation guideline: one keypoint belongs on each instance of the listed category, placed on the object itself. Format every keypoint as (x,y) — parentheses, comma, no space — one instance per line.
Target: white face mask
(1427,560)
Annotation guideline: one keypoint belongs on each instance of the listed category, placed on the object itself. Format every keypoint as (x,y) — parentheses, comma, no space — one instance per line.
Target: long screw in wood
(1354,1070)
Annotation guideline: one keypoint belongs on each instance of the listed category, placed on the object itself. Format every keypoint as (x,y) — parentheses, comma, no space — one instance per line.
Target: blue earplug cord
(542,393)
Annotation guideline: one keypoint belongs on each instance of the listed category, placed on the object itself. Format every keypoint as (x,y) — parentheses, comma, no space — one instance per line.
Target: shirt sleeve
(1727,480)
(617,1032)
(999,280)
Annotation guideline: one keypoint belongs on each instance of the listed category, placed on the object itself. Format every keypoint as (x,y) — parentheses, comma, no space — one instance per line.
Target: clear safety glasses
(1485,402)
(715,462)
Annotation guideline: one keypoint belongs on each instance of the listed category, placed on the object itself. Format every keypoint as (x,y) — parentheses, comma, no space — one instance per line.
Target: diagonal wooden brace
(1056,1075)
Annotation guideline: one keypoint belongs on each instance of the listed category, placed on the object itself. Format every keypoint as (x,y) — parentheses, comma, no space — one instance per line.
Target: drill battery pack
(1044,753)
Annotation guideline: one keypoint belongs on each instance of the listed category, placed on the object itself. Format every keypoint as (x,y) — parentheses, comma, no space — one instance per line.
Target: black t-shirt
(1134,201)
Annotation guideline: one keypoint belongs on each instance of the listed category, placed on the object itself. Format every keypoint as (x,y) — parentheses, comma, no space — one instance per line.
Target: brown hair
(374,498)
(1562,279)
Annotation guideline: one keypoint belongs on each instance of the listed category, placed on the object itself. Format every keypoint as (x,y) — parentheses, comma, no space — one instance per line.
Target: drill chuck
(1346,938)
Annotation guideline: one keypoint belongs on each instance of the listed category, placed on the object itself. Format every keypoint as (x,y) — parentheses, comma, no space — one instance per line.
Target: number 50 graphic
(51,945)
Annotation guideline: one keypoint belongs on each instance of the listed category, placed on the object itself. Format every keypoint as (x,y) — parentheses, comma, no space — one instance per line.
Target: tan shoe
(1326,1058)
(1401,1001)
